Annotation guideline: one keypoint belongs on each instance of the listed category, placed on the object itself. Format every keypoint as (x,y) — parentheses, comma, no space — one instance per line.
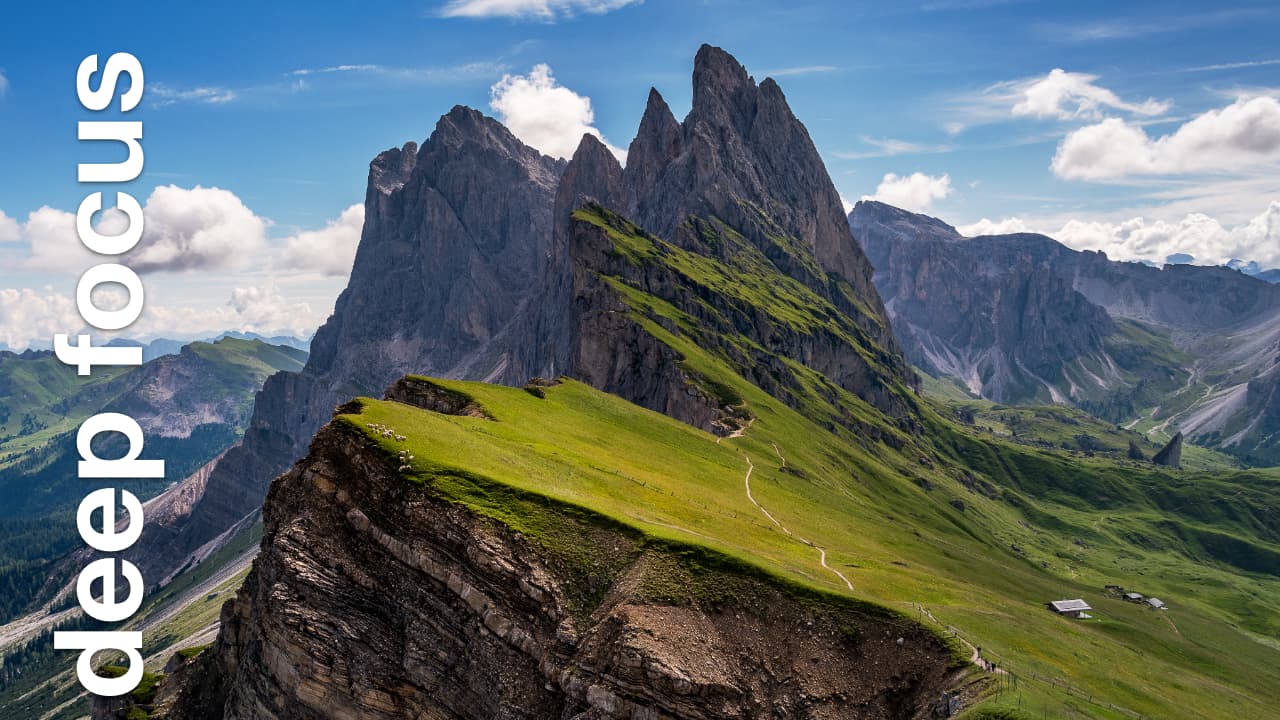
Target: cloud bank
(10,231)
(1140,238)
(1243,135)
(329,251)
(1070,96)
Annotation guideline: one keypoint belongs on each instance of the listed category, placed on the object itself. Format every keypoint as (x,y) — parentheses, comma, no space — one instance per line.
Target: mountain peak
(391,169)
(715,67)
(592,175)
(656,145)
(902,223)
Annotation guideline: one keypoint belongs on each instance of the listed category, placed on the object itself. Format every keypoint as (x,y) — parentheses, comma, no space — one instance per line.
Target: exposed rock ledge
(374,599)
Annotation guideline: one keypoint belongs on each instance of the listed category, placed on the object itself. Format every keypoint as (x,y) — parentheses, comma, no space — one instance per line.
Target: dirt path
(822,553)
(975,657)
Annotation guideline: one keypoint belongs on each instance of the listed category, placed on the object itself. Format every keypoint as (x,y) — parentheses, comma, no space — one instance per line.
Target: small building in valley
(1133,597)
(1157,603)
(1071,608)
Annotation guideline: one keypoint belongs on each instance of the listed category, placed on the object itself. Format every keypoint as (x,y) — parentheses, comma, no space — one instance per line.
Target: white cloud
(198,229)
(546,10)
(265,310)
(32,317)
(51,234)
(429,75)
(1232,65)
(330,250)
(163,95)
(545,114)
(1068,95)
(1059,95)
(10,231)
(915,192)
(848,206)
(4,84)
(336,69)
(1242,135)
(29,314)
(989,227)
(1196,234)
(1205,238)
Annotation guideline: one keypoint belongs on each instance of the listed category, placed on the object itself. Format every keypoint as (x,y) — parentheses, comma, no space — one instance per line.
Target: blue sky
(1160,133)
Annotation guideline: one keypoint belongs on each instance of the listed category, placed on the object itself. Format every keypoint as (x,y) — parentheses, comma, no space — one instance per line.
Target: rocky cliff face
(1004,328)
(1090,329)
(372,599)
(1170,455)
(456,243)
(742,158)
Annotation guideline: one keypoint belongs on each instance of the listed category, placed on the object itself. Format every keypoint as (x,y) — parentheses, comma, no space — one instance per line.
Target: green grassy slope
(978,529)
(897,543)
(1064,428)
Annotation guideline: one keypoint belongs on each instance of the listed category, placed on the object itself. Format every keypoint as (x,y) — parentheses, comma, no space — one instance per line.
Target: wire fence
(1008,677)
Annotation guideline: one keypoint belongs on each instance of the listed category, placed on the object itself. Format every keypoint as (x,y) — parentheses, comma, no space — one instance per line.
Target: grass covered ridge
(935,513)
(602,460)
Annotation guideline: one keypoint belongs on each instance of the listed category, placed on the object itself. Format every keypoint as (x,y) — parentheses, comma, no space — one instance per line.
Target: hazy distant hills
(165,346)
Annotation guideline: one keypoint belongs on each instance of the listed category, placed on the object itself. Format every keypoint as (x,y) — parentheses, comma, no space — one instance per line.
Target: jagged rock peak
(718,77)
(592,175)
(740,152)
(658,120)
(463,126)
(1171,455)
(391,169)
(657,143)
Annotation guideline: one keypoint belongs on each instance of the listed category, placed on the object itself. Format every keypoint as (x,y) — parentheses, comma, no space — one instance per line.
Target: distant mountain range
(1253,269)
(1024,319)
(159,347)
(192,405)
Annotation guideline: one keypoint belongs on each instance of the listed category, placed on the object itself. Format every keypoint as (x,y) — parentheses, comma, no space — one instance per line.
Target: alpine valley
(592,442)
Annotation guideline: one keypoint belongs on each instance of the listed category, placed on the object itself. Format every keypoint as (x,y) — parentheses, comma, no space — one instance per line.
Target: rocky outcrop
(373,599)
(456,244)
(1171,454)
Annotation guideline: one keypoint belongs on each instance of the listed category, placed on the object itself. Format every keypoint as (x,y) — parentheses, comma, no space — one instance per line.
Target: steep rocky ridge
(446,285)
(1176,348)
(741,159)
(1004,331)
(442,283)
(376,597)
